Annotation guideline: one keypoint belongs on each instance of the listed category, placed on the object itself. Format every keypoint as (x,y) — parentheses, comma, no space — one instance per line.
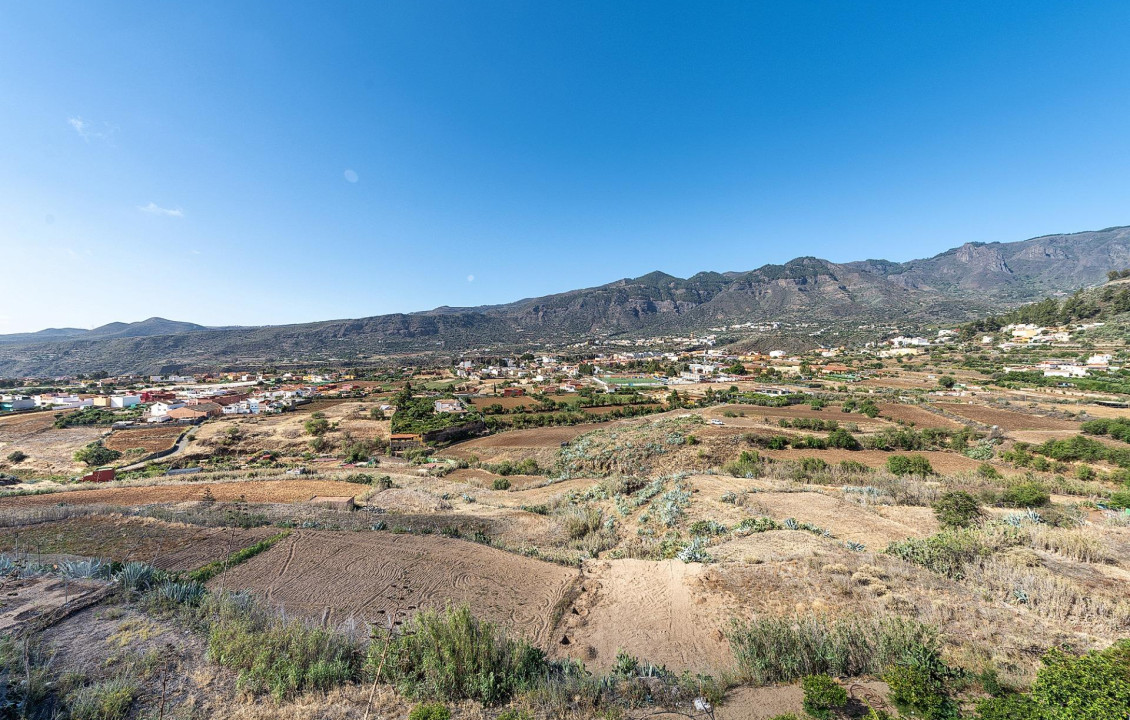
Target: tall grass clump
(946,553)
(785,649)
(108,700)
(277,656)
(451,654)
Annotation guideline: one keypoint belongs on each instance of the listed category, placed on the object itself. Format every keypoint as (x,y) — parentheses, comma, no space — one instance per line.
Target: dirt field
(337,576)
(831,412)
(169,546)
(27,598)
(50,450)
(845,520)
(151,440)
(917,416)
(284,433)
(1007,420)
(507,403)
(550,437)
(662,612)
(256,491)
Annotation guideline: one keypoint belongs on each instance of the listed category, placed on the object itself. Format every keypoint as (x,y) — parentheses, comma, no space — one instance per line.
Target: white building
(1099,361)
(16,402)
(159,409)
(124,401)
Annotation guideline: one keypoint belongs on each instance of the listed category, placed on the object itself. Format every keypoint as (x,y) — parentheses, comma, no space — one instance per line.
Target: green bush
(784,649)
(316,426)
(283,658)
(500,484)
(96,454)
(429,711)
(811,465)
(452,655)
(822,696)
(17,456)
(987,471)
(748,465)
(909,465)
(843,440)
(1095,686)
(919,685)
(1008,707)
(1025,495)
(1077,447)
(1120,500)
(853,466)
(957,509)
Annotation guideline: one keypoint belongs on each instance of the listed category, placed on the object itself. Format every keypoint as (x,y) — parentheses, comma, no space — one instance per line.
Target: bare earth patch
(1007,420)
(258,491)
(336,576)
(661,612)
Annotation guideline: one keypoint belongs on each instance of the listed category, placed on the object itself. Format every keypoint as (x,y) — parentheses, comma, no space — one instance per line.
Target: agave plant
(694,551)
(93,568)
(7,565)
(791,524)
(856,546)
(1028,517)
(33,569)
(183,593)
(136,576)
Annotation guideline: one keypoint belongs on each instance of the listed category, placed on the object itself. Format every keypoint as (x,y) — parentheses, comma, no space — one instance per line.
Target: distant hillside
(1103,304)
(961,284)
(143,328)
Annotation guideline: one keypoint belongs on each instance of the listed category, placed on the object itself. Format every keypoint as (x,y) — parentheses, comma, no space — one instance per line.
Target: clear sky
(248,163)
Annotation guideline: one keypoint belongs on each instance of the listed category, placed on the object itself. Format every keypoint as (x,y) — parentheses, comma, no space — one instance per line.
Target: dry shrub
(1048,594)
(1083,544)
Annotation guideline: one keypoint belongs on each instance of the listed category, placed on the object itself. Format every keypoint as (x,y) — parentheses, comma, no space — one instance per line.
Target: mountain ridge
(957,285)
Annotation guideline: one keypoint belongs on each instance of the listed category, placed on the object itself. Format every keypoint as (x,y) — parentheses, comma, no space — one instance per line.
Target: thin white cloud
(155,209)
(88,131)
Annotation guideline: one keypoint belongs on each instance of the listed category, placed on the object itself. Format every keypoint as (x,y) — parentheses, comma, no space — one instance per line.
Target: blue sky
(248,163)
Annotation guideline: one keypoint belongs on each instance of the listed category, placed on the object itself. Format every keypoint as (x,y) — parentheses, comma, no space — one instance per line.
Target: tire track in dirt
(371,575)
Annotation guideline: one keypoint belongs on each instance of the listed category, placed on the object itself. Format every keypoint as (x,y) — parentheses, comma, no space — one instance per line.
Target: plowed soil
(256,491)
(1007,419)
(919,417)
(550,437)
(169,546)
(150,439)
(335,576)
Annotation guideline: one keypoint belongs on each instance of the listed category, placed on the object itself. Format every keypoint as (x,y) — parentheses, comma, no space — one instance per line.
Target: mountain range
(961,284)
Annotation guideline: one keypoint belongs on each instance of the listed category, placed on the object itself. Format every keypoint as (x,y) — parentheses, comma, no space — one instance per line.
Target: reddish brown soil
(1007,419)
(258,491)
(169,546)
(149,439)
